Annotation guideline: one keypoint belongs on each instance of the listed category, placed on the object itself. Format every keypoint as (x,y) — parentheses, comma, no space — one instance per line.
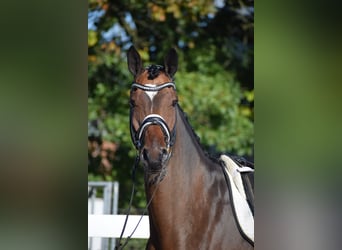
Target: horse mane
(213,158)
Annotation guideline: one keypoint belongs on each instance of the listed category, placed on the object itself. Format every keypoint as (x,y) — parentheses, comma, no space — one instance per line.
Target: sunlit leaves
(158,13)
(174,9)
(249,95)
(144,54)
(181,9)
(92,38)
(97,3)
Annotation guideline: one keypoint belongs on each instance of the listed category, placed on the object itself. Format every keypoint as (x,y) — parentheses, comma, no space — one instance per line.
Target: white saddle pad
(243,212)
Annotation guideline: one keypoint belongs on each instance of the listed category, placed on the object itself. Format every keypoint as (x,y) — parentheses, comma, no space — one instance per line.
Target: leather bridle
(152,119)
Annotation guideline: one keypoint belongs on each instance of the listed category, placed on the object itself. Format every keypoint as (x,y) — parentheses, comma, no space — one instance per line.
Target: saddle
(240,176)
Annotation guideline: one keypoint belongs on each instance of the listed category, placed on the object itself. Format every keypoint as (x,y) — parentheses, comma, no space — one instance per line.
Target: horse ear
(171,62)
(134,61)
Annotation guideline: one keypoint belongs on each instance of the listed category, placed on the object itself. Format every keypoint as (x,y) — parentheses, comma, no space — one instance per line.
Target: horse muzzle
(155,158)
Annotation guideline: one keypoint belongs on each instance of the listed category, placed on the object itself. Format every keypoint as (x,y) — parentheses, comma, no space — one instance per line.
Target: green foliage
(214,80)
(212,103)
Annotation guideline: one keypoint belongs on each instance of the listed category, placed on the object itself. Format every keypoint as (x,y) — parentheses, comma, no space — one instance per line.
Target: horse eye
(132,103)
(174,102)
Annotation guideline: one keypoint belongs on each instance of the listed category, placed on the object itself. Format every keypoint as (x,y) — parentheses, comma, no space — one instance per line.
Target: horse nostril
(145,155)
(155,156)
(164,151)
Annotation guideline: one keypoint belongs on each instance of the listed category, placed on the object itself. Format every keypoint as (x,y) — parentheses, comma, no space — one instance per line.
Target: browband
(153,88)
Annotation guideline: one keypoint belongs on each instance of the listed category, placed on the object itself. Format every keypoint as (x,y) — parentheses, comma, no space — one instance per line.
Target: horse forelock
(153,71)
(154,75)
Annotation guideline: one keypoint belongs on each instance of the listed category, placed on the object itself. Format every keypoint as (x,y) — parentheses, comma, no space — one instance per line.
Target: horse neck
(186,173)
(188,159)
(188,155)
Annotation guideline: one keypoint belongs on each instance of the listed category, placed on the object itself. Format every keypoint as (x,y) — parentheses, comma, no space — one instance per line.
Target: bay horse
(189,202)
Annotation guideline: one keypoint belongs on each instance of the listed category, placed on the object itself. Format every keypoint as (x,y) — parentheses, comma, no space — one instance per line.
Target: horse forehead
(160,79)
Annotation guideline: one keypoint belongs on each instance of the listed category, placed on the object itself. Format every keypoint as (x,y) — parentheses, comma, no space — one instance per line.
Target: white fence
(110,226)
(104,224)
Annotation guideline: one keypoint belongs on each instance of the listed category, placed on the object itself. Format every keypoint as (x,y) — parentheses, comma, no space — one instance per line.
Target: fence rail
(110,226)
(104,203)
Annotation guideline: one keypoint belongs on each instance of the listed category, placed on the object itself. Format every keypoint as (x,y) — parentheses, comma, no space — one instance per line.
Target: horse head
(153,101)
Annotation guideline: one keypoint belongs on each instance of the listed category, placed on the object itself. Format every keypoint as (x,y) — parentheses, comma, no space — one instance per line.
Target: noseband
(152,119)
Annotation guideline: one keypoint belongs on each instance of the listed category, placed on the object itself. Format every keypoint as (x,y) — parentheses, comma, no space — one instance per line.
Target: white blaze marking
(151,94)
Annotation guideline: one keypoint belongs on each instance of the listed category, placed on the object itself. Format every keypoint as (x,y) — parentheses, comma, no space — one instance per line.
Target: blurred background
(47,85)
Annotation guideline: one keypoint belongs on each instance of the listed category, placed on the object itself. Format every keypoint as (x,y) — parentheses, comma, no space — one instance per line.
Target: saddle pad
(243,212)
